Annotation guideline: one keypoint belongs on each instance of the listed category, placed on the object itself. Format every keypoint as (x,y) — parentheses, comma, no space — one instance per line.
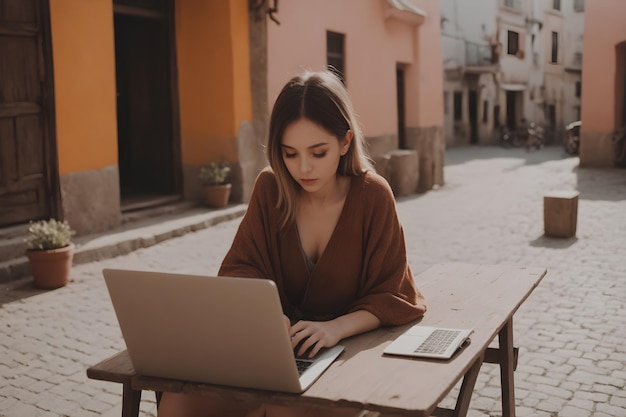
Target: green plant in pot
(216,185)
(50,251)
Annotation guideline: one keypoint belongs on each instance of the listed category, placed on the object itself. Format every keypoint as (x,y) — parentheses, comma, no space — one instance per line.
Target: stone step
(13,231)
(138,230)
(13,247)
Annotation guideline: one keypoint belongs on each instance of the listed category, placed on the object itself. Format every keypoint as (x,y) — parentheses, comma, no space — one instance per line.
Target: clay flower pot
(216,185)
(51,268)
(217,196)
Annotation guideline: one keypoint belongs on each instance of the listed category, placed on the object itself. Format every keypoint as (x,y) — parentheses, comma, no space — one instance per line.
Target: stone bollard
(381,164)
(560,213)
(403,171)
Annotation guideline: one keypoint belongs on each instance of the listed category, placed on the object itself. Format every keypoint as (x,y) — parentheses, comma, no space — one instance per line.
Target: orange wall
(84,84)
(213,77)
(604,29)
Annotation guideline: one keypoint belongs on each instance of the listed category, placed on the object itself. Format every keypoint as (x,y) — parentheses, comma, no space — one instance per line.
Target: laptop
(429,342)
(214,330)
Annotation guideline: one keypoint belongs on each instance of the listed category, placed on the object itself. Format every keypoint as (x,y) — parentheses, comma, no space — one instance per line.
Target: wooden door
(26,160)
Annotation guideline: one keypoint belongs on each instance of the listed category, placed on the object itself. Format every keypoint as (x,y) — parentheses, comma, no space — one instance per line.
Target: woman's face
(312,154)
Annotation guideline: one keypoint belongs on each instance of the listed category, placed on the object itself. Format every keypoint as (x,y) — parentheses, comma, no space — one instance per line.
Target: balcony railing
(478,55)
(514,4)
(578,59)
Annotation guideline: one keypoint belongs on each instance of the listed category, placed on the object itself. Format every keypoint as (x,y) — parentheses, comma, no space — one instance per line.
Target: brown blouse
(363,267)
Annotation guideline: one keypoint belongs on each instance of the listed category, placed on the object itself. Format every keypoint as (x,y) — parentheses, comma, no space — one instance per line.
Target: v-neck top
(363,267)
(310,265)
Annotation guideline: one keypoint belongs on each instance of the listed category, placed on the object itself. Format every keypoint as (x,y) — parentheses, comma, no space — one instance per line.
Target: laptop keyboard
(438,341)
(303,365)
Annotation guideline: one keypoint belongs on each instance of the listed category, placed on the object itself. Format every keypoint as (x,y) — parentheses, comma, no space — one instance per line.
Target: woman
(323,225)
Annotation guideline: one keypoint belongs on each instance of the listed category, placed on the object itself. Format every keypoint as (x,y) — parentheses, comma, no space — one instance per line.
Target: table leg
(130,401)
(467,388)
(507,366)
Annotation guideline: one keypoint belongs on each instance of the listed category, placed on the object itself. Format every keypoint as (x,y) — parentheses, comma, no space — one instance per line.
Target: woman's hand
(315,335)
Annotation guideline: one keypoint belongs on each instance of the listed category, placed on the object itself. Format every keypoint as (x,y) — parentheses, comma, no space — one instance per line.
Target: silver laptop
(215,330)
(429,342)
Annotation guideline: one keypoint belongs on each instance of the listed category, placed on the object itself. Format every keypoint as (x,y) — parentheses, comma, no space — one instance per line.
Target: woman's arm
(250,253)
(387,287)
(318,334)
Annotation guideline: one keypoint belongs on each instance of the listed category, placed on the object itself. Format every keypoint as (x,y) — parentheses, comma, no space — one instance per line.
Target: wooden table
(482,297)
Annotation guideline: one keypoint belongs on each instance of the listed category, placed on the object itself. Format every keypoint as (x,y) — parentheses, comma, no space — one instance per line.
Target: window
(578,89)
(555,48)
(579,5)
(458,105)
(335,56)
(496,116)
(485,111)
(556,4)
(446,108)
(512,43)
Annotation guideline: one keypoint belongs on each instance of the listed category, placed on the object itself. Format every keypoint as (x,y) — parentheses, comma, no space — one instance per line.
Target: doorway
(511,110)
(148,138)
(29,187)
(400,85)
(473,116)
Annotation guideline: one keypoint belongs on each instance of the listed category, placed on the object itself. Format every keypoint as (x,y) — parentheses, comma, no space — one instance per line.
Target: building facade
(389,60)
(470,65)
(110,106)
(527,70)
(603,82)
(136,95)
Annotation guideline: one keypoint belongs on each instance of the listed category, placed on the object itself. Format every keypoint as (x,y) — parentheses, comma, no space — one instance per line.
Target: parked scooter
(529,135)
(506,137)
(534,137)
(572,138)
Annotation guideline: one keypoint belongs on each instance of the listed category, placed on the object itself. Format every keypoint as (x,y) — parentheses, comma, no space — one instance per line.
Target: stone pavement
(570,331)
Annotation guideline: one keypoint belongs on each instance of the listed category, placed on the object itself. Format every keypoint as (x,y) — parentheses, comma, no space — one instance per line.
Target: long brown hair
(321,98)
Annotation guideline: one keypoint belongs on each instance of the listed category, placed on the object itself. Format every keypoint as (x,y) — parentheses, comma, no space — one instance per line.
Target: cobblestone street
(570,331)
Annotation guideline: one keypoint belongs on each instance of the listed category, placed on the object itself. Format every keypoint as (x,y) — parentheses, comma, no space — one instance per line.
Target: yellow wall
(213,77)
(213,73)
(84,84)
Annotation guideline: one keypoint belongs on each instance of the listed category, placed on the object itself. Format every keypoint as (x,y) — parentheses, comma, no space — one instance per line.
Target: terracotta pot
(217,196)
(51,268)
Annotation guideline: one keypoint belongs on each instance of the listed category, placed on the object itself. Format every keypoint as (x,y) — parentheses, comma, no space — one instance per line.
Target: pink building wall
(603,78)
(430,66)
(374,45)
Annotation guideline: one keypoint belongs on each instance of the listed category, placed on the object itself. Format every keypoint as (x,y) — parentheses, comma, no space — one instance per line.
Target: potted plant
(50,251)
(215,180)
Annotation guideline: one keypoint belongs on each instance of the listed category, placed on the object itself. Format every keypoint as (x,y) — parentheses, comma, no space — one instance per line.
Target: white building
(573,58)
(469,61)
(509,61)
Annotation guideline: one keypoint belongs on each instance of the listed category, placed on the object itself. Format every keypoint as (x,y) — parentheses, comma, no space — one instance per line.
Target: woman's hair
(321,98)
